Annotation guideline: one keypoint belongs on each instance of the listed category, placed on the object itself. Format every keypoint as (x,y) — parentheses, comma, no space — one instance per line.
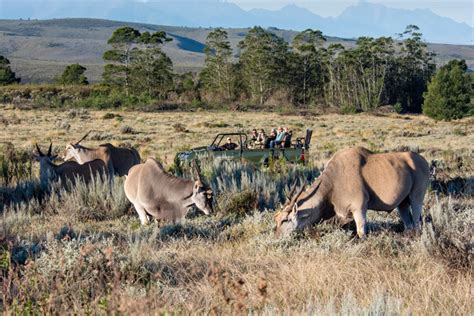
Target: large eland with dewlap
(354,181)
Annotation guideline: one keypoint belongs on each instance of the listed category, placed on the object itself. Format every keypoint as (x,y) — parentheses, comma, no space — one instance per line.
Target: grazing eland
(69,170)
(354,181)
(118,160)
(154,192)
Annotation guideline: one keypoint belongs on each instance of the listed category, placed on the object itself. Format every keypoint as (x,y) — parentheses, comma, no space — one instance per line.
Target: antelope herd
(353,181)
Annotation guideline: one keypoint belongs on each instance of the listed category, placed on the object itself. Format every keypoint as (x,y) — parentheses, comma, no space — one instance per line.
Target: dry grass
(70,254)
(155,134)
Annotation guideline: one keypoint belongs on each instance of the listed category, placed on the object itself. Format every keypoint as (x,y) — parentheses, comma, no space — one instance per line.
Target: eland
(354,181)
(154,192)
(118,160)
(68,171)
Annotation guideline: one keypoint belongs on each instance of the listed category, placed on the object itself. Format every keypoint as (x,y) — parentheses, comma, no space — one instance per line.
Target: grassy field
(40,50)
(84,251)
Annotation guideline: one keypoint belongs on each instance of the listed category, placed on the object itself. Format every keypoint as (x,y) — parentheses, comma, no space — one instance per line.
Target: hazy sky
(459,10)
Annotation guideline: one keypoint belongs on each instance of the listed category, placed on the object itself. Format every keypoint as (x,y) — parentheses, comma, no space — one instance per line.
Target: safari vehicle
(295,153)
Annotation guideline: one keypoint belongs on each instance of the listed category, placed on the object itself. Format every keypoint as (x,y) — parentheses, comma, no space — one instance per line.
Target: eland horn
(196,171)
(295,197)
(50,149)
(83,137)
(39,150)
(292,191)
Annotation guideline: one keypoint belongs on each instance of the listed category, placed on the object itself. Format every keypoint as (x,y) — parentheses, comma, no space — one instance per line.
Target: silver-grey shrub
(270,186)
(98,200)
(448,231)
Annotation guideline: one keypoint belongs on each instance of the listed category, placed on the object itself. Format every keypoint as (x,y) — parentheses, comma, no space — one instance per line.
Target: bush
(240,204)
(15,166)
(98,200)
(449,93)
(398,107)
(179,128)
(73,74)
(235,177)
(125,129)
(447,234)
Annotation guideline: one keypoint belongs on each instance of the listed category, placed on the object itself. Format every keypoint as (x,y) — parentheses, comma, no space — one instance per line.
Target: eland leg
(405,215)
(416,210)
(141,213)
(360,218)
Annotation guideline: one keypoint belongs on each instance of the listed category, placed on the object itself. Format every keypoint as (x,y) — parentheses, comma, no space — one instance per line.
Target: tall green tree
(217,75)
(410,73)
(7,76)
(117,73)
(371,59)
(137,61)
(357,76)
(73,74)
(264,63)
(307,65)
(449,93)
(152,69)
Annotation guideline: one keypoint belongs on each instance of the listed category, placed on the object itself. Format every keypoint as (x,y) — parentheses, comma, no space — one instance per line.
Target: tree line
(267,70)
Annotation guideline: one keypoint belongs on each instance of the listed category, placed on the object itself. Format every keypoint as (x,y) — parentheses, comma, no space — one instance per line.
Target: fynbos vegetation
(83,249)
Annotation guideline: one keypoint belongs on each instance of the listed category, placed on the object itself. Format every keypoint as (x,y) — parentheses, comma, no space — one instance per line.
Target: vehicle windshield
(231,141)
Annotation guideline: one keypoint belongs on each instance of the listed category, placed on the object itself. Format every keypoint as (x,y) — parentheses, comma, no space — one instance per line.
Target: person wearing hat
(229,145)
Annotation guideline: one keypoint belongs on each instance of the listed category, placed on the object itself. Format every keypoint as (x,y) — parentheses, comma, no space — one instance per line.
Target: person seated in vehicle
(261,138)
(254,135)
(270,138)
(287,138)
(229,145)
(253,139)
(279,138)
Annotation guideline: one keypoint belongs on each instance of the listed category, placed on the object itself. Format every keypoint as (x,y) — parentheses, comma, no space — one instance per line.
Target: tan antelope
(118,160)
(354,181)
(165,197)
(69,170)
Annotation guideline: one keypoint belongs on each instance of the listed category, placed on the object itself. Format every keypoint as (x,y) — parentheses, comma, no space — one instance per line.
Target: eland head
(72,147)
(300,210)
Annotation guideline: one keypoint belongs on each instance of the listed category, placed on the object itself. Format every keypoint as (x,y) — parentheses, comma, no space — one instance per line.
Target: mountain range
(362,19)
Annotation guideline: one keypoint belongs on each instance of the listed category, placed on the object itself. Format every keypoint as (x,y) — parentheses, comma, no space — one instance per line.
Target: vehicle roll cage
(300,142)
(218,139)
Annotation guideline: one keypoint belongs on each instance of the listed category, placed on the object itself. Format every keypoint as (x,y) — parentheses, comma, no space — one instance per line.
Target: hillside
(40,49)
(362,18)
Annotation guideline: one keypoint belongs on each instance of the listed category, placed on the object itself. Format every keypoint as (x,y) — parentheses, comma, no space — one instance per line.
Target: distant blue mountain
(363,19)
